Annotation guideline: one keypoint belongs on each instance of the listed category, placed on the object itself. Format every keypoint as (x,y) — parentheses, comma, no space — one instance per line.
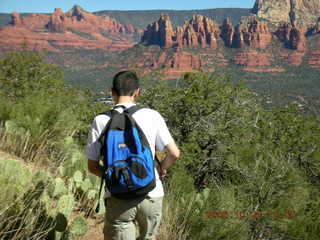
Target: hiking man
(146,210)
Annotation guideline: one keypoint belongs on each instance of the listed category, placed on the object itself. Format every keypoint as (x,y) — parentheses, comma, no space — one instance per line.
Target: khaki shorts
(122,215)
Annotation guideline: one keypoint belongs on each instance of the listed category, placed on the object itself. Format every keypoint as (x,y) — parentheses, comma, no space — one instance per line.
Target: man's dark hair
(125,83)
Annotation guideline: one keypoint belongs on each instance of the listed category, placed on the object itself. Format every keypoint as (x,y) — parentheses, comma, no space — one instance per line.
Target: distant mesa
(76,18)
(76,28)
(203,32)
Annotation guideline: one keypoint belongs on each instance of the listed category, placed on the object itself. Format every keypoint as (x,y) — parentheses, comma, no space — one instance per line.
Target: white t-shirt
(153,126)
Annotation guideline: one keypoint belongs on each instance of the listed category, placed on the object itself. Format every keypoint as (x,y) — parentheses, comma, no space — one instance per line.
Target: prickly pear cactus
(59,188)
(65,205)
(16,174)
(46,201)
(62,171)
(92,194)
(41,176)
(86,185)
(78,178)
(79,226)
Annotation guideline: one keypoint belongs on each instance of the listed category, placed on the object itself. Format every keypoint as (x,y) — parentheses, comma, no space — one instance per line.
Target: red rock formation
(297,40)
(283,32)
(190,37)
(257,35)
(76,29)
(253,59)
(314,59)
(57,21)
(165,31)
(179,37)
(160,33)
(256,62)
(238,37)
(317,27)
(254,34)
(182,62)
(296,58)
(200,31)
(16,20)
(293,37)
(76,19)
(227,32)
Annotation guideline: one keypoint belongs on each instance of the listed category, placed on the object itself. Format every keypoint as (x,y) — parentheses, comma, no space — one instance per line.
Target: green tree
(26,73)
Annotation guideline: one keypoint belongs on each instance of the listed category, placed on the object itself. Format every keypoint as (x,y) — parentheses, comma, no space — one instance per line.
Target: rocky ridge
(75,29)
(255,39)
(297,12)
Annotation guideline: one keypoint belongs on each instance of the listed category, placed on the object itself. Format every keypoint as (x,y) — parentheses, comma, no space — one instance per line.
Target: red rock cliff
(227,32)
(293,37)
(254,33)
(199,31)
(16,19)
(57,21)
(76,29)
(159,33)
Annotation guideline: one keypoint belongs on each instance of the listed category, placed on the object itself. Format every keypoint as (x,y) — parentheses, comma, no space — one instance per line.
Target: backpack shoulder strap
(108,113)
(133,109)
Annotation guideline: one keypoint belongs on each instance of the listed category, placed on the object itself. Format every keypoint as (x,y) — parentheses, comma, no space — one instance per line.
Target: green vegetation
(246,172)
(45,122)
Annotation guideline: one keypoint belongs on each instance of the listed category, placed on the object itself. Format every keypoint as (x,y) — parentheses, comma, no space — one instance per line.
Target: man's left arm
(95,168)
(93,150)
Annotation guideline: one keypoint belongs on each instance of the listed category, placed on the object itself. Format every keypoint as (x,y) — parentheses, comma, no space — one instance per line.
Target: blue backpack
(127,157)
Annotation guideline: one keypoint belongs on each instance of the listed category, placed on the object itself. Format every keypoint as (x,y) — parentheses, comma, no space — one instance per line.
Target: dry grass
(24,218)
(38,153)
(174,219)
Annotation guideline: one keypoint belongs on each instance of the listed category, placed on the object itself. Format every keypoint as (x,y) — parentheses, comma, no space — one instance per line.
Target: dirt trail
(95,231)
(6,155)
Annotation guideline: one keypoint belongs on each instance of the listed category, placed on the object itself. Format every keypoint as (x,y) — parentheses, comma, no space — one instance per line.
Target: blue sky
(8,6)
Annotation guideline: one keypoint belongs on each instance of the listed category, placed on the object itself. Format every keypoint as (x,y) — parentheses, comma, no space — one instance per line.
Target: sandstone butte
(250,34)
(74,29)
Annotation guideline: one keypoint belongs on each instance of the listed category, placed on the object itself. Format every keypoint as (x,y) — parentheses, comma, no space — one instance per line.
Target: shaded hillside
(5,18)
(142,18)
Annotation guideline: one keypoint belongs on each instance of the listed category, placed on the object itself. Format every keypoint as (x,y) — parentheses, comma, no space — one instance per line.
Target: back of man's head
(125,83)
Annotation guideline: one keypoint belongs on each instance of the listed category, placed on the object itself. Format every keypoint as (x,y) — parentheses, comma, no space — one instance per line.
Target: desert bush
(260,167)
(36,100)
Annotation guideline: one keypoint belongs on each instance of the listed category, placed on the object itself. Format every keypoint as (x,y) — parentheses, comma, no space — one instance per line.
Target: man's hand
(173,153)
(162,172)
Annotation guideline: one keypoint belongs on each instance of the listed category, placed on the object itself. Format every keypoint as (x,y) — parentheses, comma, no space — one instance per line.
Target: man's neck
(124,99)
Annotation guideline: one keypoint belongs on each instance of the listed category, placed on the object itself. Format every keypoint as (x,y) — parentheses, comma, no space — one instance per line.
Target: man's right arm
(173,153)
(165,142)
